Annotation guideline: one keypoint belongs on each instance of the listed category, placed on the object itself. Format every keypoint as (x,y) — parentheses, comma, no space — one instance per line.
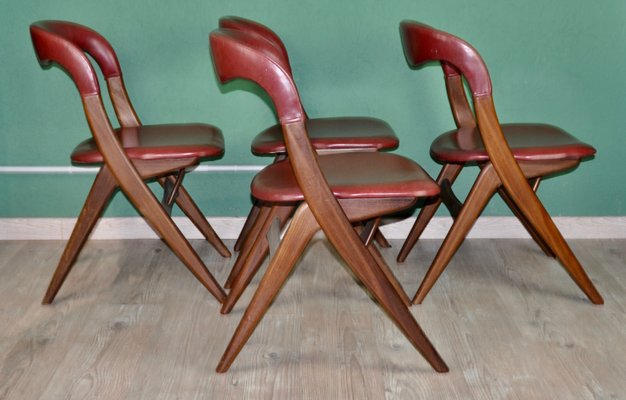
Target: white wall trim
(72,169)
(228,228)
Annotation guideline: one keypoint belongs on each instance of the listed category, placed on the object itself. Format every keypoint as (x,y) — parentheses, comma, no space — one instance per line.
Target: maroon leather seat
(159,142)
(529,142)
(340,133)
(350,176)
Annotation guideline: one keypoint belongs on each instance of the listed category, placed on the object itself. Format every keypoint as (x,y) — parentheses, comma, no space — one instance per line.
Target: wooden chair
(128,155)
(509,157)
(329,191)
(337,134)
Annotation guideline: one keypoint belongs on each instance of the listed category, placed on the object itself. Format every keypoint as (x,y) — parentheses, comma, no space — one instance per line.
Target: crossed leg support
(359,260)
(143,199)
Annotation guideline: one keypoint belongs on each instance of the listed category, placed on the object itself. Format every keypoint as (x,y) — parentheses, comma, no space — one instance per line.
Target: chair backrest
(65,43)
(241,54)
(246,25)
(458,59)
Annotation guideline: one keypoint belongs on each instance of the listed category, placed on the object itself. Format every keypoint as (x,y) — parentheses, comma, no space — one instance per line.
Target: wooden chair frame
(65,44)
(501,173)
(236,55)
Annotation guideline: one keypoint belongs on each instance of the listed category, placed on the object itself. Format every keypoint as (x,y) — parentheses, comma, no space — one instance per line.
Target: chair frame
(65,44)
(502,173)
(236,55)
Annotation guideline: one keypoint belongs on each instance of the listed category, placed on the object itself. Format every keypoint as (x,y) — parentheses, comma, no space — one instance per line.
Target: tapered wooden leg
(384,267)
(478,197)
(367,270)
(448,172)
(252,216)
(509,202)
(143,199)
(381,239)
(98,197)
(191,210)
(255,256)
(542,223)
(248,242)
(298,235)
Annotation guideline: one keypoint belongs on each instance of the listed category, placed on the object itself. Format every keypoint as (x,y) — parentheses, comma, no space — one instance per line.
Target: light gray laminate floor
(131,322)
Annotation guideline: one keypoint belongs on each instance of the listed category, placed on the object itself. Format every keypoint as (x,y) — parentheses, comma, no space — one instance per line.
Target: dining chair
(328,191)
(512,158)
(130,155)
(336,134)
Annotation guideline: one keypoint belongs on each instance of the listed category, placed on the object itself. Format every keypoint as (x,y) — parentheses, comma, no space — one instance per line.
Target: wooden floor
(132,323)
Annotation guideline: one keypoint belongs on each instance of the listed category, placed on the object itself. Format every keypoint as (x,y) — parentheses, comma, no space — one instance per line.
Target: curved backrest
(422,43)
(240,54)
(246,25)
(65,43)
(54,43)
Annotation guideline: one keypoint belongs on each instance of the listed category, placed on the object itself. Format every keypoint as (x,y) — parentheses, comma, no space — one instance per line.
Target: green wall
(556,61)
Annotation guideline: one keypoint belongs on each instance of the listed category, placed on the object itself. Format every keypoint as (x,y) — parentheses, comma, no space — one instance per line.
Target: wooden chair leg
(252,216)
(480,194)
(248,242)
(254,256)
(448,172)
(367,270)
(535,236)
(381,239)
(195,215)
(542,223)
(98,197)
(384,267)
(143,199)
(298,235)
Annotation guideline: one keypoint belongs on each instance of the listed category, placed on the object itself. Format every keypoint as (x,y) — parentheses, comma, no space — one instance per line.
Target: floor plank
(131,322)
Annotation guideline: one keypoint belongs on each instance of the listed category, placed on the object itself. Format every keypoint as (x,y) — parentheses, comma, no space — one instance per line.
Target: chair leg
(480,194)
(516,211)
(143,199)
(542,223)
(254,256)
(298,235)
(252,216)
(248,242)
(98,197)
(367,270)
(384,267)
(448,172)
(381,239)
(195,215)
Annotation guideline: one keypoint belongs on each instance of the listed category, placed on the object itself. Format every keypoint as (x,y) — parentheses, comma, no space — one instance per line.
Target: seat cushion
(156,142)
(332,134)
(530,142)
(350,175)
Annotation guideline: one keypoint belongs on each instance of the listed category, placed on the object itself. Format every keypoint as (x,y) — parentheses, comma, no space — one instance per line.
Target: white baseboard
(228,228)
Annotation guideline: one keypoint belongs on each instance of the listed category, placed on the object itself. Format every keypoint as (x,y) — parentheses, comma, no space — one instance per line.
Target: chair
(338,134)
(512,158)
(128,155)
(329,191)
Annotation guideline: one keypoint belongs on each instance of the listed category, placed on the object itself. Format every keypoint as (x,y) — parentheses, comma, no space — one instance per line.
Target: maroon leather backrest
(423,43)
(239,54)
(246,25)
(52,48)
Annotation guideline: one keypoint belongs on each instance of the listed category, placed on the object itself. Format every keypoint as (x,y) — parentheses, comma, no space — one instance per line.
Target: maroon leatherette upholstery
(350,175)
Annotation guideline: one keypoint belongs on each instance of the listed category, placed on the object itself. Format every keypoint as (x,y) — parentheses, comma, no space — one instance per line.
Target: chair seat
(350,175)
(529,142)
(333,134)
(158,142)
